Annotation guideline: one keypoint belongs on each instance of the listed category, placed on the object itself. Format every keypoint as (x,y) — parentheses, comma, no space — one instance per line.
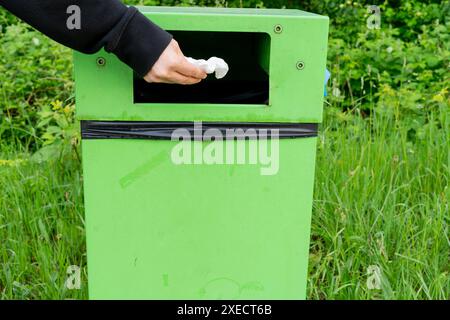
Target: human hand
(173,67)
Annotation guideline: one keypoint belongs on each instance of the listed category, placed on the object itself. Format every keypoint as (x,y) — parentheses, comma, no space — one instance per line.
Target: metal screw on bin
(278,28)
(300,65)
(101,61)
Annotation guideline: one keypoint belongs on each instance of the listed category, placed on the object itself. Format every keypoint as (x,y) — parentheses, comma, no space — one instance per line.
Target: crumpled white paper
(213,64)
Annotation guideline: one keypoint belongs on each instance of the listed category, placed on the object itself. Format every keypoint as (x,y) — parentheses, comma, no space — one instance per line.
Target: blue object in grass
(327,77)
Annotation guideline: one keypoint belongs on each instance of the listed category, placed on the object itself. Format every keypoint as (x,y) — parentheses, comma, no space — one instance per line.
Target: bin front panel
(105,92)
(157,230)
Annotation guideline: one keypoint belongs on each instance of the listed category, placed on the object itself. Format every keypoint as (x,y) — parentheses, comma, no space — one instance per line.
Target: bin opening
(247,82)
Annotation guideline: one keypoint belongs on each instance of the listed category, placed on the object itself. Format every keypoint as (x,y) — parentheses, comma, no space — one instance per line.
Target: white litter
(212,65)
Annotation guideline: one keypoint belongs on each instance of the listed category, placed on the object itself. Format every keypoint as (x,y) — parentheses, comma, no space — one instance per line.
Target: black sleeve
(107,24)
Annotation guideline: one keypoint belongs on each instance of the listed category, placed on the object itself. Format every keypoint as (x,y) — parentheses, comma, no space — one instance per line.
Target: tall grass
(381,203)
(41,226)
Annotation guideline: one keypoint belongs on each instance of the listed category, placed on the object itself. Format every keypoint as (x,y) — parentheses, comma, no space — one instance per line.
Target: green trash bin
(174,212)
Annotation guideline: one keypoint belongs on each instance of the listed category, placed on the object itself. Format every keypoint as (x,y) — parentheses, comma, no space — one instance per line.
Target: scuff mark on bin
(142,170)
(226,288)
(166,280)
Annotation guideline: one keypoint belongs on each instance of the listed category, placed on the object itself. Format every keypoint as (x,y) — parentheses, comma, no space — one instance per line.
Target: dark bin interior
(247,82)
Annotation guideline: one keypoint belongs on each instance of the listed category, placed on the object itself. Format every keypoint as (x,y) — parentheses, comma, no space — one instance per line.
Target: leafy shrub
(34,71)
(379,59)
(406,60)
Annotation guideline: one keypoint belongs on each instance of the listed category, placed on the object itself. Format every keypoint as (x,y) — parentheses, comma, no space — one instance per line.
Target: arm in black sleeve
(107,24)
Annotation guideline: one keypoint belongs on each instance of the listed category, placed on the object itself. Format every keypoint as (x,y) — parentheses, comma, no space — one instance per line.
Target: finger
(150,78)
(188,69)
(179,78)
(174,43)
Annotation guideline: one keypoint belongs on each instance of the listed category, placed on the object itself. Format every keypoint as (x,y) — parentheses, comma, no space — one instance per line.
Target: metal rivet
(300,65)
(278,28)
(101,62)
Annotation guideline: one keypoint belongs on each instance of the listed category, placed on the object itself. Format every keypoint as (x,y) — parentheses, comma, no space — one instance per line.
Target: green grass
(381,199)
(41,227)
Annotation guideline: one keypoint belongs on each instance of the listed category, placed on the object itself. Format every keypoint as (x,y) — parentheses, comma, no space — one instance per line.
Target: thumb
(188,69)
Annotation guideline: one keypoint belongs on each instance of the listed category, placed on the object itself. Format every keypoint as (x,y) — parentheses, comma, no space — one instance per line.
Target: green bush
(34,72)
(409,56)
(380,59)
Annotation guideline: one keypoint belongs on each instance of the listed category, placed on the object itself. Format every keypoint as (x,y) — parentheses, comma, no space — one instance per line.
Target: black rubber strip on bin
(194,130)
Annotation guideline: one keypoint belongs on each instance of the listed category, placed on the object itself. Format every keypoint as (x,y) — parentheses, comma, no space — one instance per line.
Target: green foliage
(34,71)
(382,174)
(41,225)
(409,54)
(381,199)
(379,59)
(6,19)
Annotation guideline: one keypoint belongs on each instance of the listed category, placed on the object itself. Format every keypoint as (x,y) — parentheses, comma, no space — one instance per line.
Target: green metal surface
(157,230)
(295,95)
